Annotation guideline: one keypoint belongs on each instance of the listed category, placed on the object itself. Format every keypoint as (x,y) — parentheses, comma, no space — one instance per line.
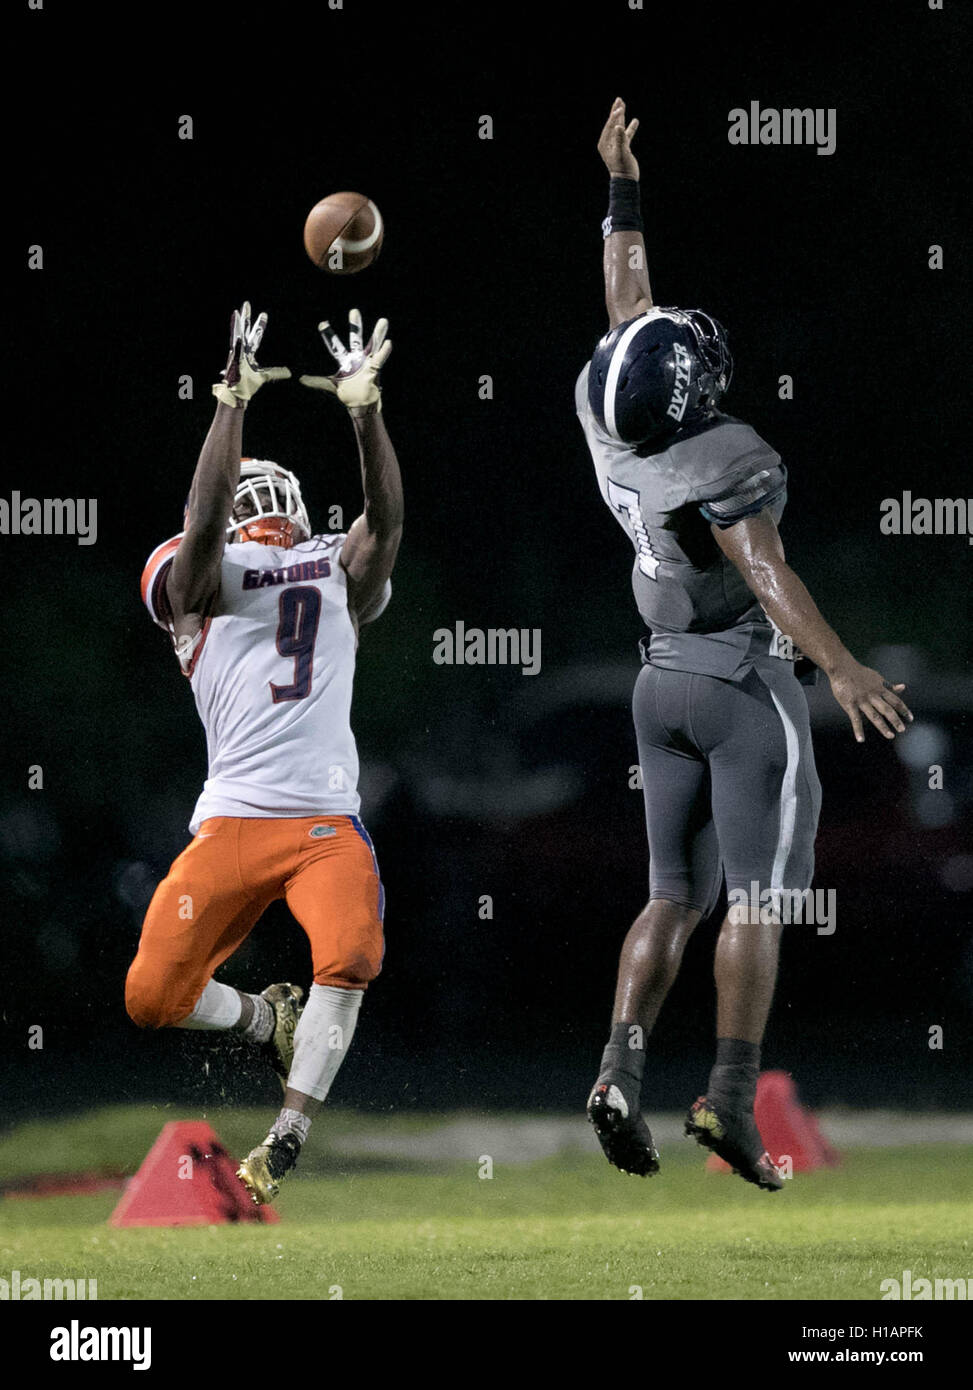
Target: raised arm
(195,575)
(368,554)
(755,547)
(194,580)
(627,290)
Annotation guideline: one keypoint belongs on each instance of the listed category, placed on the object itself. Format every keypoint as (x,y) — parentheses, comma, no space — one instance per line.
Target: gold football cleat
(264,1167)
(285,1000)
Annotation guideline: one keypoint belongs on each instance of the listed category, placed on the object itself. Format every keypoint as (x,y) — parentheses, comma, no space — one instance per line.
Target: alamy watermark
(18,1290)
(50,516)
(493,646)
(77,1343)
(809,906)
(926,516)
(920,1290)
(756,125)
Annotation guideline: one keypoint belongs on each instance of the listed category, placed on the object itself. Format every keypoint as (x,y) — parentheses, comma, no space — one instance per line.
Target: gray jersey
(701,614)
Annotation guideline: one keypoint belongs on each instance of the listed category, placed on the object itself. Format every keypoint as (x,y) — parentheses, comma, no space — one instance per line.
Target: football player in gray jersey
(731,791)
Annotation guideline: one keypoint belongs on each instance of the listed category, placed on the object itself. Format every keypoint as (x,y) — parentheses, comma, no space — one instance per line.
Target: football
(343,233)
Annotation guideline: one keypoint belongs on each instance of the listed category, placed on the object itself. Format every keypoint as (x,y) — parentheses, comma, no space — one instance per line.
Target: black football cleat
(735,1138)
(622,1133)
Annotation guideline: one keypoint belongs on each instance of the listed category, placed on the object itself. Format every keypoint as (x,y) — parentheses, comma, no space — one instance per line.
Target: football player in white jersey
(265,617)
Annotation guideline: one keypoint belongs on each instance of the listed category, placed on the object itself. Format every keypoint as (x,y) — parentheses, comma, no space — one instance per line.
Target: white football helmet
(268,506)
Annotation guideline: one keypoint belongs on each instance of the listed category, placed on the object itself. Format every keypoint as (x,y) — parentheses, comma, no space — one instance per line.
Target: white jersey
(272,675)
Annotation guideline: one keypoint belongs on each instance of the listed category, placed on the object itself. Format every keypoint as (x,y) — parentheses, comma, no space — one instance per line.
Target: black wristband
(624,207)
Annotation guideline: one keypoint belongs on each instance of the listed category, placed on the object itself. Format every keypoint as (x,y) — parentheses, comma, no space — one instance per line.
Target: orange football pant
(324,867)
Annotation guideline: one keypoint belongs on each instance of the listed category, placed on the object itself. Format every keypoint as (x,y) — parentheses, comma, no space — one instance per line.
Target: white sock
(218,1006)
(263,1022)
(322,1038)
(291,1122)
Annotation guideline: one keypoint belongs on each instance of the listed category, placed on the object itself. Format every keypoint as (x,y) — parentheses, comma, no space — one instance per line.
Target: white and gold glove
(241,378)
(355,383)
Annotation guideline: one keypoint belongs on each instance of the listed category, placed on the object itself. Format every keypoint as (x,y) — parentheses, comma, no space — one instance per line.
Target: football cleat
(285,1001)
(622,1133)
(736,1139)
(264,1167)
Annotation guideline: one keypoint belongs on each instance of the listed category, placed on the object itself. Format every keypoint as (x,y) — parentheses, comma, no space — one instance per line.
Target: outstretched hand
(615,143)
(861,691)
(241,378)
(355,383)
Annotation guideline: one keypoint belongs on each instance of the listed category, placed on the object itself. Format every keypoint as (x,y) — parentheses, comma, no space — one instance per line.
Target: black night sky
(818,265)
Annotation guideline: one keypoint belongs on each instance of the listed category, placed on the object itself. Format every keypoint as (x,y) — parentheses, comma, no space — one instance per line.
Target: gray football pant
(729,781)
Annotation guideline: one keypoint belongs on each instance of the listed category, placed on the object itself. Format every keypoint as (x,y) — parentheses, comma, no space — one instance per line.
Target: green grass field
(565,1227)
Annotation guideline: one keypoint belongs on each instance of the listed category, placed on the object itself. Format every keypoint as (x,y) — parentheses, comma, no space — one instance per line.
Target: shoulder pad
(154,576)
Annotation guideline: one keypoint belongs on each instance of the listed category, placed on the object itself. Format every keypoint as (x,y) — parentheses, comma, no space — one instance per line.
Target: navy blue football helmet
(659,375)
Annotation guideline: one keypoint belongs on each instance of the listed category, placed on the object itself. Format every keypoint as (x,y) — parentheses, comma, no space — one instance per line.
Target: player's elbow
(381,548)
(383,521)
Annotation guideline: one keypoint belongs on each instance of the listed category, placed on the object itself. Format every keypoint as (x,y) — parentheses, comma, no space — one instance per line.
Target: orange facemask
(271,530)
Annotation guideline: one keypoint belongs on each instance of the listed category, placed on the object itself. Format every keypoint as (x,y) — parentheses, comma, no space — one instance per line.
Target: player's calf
(311,1044)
